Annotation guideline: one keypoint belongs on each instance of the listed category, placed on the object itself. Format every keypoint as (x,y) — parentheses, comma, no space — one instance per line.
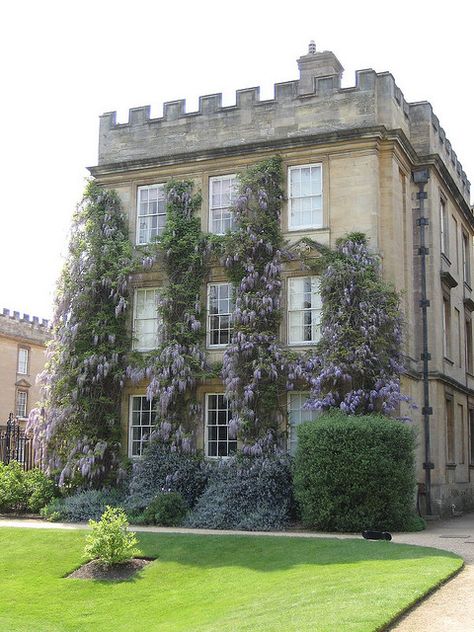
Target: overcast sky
(65,63)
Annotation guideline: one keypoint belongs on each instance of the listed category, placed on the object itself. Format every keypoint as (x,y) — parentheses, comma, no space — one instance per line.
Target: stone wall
(311,106)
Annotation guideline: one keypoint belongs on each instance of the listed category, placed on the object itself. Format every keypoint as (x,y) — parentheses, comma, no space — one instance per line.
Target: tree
(78,431)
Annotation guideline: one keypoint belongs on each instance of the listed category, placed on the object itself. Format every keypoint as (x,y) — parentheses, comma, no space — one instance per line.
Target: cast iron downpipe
(421,177)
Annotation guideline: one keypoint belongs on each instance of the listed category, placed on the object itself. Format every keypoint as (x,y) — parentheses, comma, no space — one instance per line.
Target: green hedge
(22,491)
(355,473)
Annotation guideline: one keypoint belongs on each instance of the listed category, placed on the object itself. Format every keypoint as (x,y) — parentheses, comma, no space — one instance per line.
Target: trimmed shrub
(160,469)
(244,492)
(13,488)
(82,506)
(40,488)
(22,491)
(166,510)
(355,473)
(110,541)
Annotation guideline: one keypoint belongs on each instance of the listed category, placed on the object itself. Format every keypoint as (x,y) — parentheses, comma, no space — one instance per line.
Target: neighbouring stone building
(22,357)
(349,156)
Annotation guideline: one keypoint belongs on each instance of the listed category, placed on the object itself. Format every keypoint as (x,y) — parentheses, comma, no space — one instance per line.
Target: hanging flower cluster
(358,361)
(77,433)
(255,365)
(174,369)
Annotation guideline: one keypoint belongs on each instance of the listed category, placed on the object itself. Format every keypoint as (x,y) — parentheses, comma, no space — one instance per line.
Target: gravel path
(449,609)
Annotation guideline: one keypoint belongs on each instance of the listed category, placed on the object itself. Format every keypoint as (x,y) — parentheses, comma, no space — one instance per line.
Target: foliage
(355,473)
(358,361)
(166,509)
(110,541)
(277,583)
(78,431)
(165,468)
(13,490)
(40,489)
(255,366)
(24,491)
(173,370)
(246,492)
(81,506)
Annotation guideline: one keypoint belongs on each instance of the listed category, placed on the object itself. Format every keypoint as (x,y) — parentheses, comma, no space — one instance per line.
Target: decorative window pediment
(22,383)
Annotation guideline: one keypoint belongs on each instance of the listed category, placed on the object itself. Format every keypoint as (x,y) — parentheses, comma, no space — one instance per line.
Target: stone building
(22,358)
(349,155)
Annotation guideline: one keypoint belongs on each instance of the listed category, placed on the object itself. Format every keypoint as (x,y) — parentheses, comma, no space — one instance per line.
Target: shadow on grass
(267,554)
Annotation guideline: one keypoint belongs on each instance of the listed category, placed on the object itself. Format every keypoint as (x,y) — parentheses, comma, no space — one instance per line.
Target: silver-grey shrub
(245,492)
(82,506)
(162,469)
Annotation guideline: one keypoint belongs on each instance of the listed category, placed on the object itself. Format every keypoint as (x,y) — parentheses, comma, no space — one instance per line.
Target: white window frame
(443,219)
(135,341)
(315,310)
(24,404)
(291,197)
(231,299)
(159,230)
(23,362)
(217,440)
(292,440)
(466,256)
(144,438)
(221,209)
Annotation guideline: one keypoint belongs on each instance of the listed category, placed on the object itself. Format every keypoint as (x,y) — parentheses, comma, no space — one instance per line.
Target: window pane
(297,414)
(21,401)
(217,424)
(151,212)
(142,423)
(23,361)
(222,193)
(304,310)
(146,324)
(220,307)
(305,204)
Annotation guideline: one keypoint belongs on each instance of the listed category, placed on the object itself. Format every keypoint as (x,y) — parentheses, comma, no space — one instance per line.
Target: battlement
(311,105)
(30,328)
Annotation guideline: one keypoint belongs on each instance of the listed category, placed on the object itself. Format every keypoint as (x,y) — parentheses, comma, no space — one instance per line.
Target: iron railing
(15,444)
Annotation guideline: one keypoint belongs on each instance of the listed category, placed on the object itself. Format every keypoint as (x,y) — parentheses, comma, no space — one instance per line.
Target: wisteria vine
(77,432)
(255,365)
(358,361)
(173,370)
(355,367)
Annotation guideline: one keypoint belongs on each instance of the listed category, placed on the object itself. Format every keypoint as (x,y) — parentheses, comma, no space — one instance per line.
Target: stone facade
(365,141)
(22,358)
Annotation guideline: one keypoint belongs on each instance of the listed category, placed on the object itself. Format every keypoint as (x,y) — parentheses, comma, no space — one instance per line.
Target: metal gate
(15,444)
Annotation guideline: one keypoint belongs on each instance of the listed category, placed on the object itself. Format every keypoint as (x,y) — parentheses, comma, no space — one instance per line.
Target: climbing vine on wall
(358,361)
(77,433)
(356,365)
(255,365)
(173,370)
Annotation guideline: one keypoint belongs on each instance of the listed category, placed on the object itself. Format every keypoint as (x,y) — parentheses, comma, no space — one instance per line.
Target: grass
(215,583)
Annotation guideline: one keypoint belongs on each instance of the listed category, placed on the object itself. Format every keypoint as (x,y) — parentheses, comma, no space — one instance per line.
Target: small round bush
(166,510)
(110,541)
(355,473)
(41,490)
(13,488)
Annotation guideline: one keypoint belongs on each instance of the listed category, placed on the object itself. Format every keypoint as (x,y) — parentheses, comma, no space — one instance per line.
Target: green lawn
(221,583)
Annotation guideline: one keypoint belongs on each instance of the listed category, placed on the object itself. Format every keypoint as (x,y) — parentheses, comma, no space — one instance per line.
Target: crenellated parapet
(315,104)
(428,137)
(25,327)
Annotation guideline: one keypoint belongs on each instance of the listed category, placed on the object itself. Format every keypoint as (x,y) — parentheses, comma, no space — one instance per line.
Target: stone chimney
(318,69)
